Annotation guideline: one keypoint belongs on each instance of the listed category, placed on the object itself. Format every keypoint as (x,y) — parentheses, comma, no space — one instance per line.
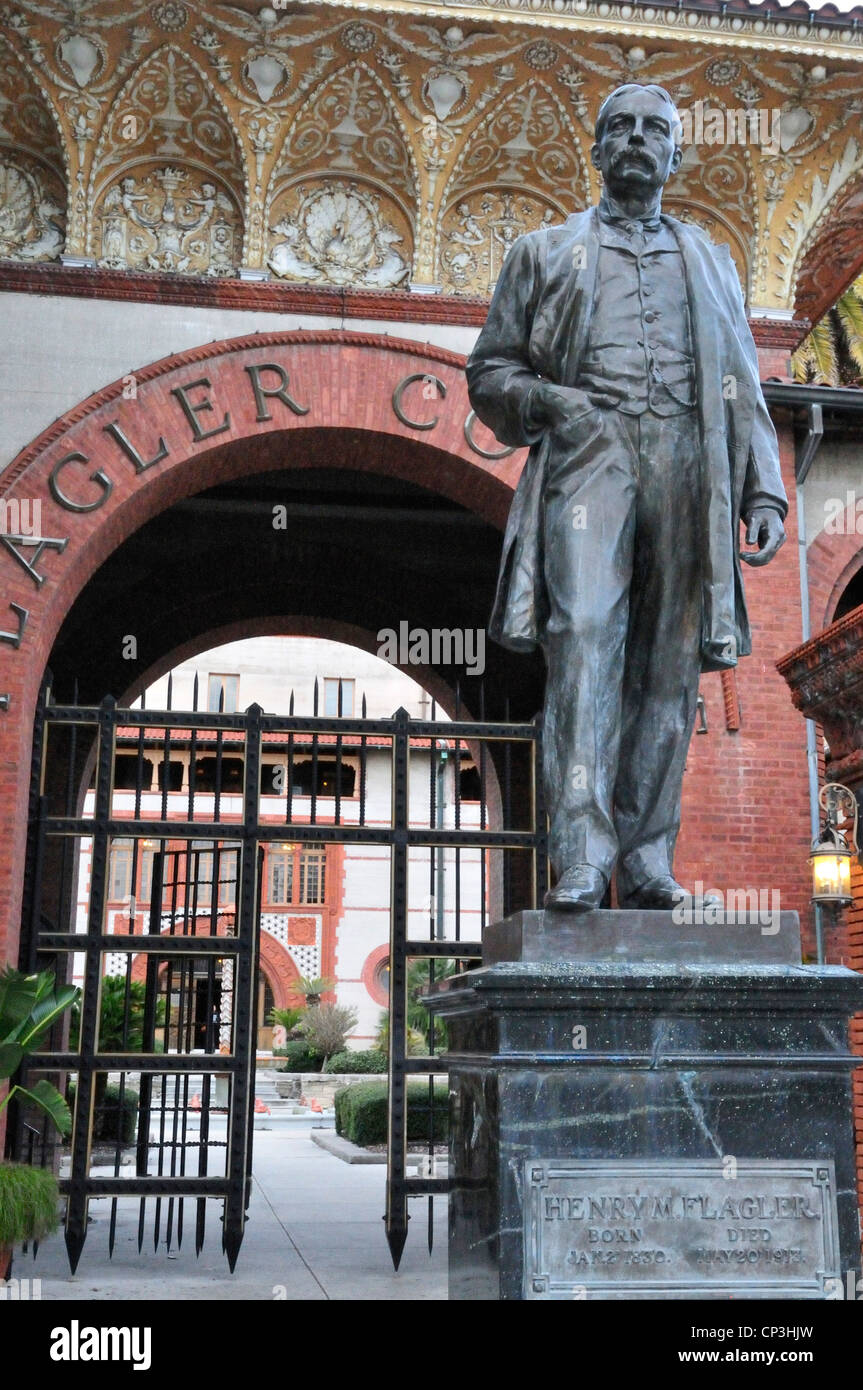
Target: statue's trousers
(621,547)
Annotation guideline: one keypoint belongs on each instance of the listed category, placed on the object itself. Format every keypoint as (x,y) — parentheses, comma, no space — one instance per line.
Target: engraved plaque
(742,1228)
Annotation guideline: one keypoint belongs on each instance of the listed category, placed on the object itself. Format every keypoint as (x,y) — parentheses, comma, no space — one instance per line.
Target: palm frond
(817,358)
(849,310)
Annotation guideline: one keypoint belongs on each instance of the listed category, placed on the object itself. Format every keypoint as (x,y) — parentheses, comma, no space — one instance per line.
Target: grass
(28,1203)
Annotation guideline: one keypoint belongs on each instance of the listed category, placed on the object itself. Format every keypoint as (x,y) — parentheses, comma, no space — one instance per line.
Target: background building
(324,908)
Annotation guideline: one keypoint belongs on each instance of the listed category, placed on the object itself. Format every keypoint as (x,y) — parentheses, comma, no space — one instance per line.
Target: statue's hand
(764,529)
(557,406)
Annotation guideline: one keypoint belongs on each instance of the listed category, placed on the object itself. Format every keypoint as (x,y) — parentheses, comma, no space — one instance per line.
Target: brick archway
(282,973)
(209,415)
(832,561)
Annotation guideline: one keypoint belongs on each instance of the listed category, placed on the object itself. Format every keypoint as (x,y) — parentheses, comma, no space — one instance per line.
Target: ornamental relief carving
(350,125)
(26,121)
(478,231)
(528,142)
(169,219)
(32,210)
(168,109)
(436,113)
(339,233)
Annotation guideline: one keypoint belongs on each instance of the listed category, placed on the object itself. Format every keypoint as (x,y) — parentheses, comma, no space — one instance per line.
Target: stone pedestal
(627,1126)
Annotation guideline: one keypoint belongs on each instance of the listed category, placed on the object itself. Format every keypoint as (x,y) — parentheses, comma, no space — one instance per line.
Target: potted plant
(285,1018)
(29,1007)
(311,990)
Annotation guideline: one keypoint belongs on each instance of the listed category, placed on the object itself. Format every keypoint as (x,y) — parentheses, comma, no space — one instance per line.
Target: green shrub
(111,1123)
(346,1062)
(417,1045)
(299,1056)
(326,1027)
(28,1203)
(361,1112)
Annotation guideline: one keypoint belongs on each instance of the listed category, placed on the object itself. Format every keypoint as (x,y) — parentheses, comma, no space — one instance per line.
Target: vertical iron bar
(76,1208)
(151,1001)
(338,805)
(289,809)
(217,799)
(241,1113)
(396,1199)
(139,774)
(32,902)
(363,761)
(540,823)
(313,809)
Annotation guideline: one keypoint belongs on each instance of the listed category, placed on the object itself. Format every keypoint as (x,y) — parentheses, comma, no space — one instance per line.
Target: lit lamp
(831,855)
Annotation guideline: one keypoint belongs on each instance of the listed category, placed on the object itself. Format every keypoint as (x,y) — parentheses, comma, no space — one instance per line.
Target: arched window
(851,596)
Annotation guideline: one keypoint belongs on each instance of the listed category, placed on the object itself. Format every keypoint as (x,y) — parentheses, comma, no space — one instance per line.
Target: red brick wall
(346,380)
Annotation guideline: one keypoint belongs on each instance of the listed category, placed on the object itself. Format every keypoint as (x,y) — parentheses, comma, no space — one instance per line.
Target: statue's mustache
(638,156)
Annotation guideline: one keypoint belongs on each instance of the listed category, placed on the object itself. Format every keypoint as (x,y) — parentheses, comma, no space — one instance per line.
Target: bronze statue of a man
(617,347)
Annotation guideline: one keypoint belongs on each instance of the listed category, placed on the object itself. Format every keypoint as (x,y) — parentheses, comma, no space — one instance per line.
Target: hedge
(345,1063)
(361,1112)
(108,1126)
(299,1056)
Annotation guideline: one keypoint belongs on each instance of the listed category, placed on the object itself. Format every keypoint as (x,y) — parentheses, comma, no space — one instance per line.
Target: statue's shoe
(579,889)
(666,893)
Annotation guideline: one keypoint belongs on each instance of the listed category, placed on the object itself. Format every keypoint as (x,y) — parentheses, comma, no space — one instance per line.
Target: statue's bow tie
(627,224)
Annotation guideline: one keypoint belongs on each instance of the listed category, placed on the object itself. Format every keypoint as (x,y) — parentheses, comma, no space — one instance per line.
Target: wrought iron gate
(162,1054)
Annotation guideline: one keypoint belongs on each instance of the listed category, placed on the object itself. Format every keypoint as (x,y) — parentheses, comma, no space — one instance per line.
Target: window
(469,785)
(175,776)
(207,774)
(280,873)
(274,777)
(331,697)
(313,873)
(223,692)
(126,772)
(203,858)
(327,778)
(120,871)
(296,875)
(127,864)
(381,977)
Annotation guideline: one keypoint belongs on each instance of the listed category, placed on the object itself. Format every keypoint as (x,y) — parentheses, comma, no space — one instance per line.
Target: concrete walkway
(314,1232)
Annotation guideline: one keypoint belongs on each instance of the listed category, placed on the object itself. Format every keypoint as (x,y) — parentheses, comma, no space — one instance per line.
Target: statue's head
(637,145)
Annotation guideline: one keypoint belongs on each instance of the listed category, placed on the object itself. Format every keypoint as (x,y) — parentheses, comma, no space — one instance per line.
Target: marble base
(715,1094)
(696,936)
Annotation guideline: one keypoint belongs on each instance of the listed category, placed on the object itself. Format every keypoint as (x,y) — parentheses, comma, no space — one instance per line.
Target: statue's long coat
(537,326)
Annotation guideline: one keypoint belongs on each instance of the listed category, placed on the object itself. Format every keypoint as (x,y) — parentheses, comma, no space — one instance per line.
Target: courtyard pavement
(315,1232)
